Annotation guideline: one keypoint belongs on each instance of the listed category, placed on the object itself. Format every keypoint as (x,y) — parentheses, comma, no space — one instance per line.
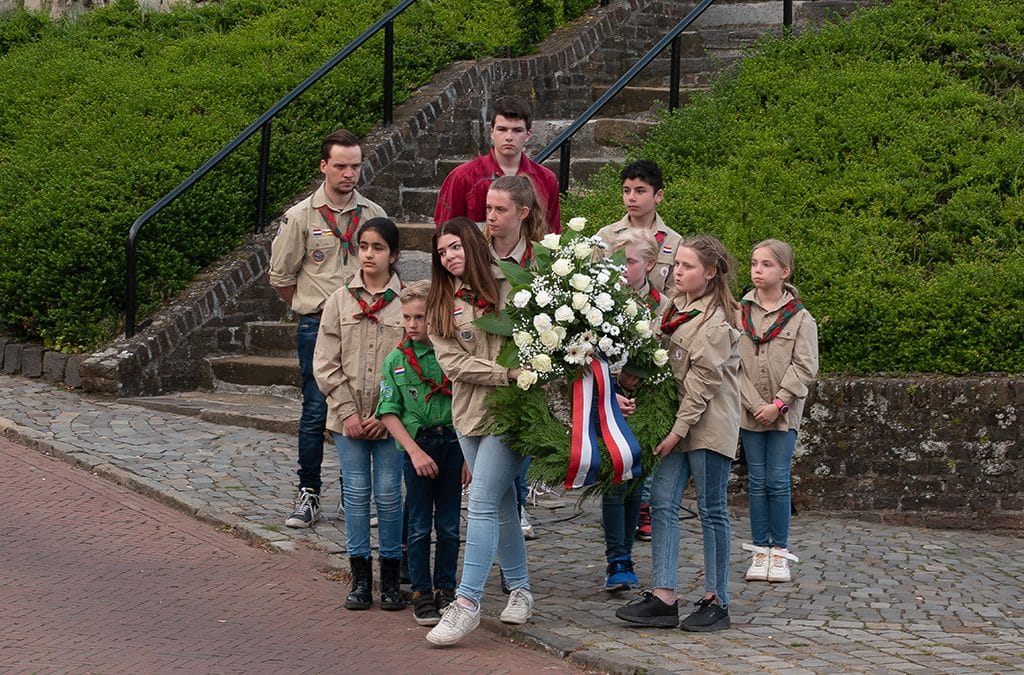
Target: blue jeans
(356,456)
(434,504)
(314,407)
(493,522)
(620,510)
(769,456)
(522,489)
(710,472)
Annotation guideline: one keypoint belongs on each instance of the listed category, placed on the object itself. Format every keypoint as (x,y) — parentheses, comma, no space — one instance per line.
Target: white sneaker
(758,570)
(528,532)
(778,568)
(519,607)
(456,623)
(543,495)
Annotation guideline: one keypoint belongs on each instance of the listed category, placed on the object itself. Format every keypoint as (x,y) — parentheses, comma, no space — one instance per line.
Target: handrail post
(787,16)
(129,301)
(563,165)
(261,179)
(389,72)
(673,91)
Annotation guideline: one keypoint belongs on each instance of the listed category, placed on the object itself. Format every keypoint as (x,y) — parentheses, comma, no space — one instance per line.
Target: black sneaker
(424,609)
(308,510)
(709,616)
(443,597)
(649,610)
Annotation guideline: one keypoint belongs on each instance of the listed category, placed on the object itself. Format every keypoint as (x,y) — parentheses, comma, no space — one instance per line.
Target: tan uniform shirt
(469,361)
(782,368)
(349,352)
(515,256)
(307,255)
(705,358)
(661,274)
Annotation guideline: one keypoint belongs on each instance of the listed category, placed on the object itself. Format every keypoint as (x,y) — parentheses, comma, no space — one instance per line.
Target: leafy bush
(100,117)
(889,151)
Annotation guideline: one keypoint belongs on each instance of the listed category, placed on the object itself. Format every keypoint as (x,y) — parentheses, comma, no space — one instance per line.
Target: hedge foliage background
(889,150)
(100,117)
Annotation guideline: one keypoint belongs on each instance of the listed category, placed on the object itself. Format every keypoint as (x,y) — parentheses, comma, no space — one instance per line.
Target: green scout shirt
(403,393)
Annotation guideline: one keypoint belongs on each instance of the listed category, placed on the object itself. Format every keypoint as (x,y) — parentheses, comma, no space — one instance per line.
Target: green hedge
(101,117)
(889,150)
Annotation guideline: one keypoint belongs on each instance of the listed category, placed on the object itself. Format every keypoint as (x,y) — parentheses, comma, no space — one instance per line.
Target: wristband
(783,408)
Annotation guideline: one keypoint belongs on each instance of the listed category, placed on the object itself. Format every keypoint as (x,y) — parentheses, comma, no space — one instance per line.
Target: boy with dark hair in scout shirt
(642,191)
(416,407)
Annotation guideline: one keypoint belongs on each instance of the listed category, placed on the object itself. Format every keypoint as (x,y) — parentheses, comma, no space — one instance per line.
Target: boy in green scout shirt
(416,407)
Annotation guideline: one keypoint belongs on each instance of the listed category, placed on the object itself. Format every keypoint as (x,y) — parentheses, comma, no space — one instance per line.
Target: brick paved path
(96,578)
(865,597)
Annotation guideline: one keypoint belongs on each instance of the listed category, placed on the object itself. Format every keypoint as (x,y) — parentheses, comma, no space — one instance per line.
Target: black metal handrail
(563,141)
(262,124)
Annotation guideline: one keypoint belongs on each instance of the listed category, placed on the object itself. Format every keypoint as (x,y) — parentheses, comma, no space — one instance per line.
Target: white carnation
(594,316)
(541,363)
(577,224)
(605,344)
(561,267)
(603,277)
(582,250)
(643,329)
(581,282)
(521,298)
(542,322)
(564,314)
(543,298)
(604,302)
(631,308)
(551,241)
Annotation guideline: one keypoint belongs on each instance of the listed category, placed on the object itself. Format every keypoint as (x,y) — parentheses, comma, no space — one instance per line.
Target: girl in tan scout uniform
(779,359)
(515,220)
(465,286)
(361,324)
(703,344)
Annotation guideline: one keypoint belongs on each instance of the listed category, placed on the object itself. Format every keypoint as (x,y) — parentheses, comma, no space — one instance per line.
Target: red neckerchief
(471,298)
(670,321)
(445,388)
(653,299)
(789,310)
(346,236)
(370,311)
(527,254)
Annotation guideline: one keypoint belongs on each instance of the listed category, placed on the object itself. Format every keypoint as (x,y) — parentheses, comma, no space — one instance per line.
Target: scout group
(398,374)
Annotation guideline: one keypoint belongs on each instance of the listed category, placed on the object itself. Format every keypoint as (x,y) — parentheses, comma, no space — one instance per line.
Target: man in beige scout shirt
(314,253)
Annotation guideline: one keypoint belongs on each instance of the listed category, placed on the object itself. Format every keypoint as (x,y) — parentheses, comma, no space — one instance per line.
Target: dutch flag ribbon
(584,458)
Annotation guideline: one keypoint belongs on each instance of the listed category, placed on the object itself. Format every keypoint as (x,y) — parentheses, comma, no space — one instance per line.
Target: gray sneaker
(456,623)
(308,510)
(519,608)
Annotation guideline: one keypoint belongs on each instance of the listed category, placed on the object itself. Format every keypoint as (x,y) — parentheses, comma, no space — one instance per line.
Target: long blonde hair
(712,254)
(520,189)
(783,254)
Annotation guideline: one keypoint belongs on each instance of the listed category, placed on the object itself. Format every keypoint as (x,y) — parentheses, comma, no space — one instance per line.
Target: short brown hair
(338,137)
(512,108)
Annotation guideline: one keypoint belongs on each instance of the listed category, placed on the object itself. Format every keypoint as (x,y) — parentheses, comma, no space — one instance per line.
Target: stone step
(256,370)
(416,236)
(637,100)
(271,338)
(266,412)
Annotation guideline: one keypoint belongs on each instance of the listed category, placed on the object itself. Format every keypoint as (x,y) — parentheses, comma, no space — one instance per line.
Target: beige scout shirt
(704,355)
(468,359)
(661,274)
(782,368)
(306,254)
(515,255)
(349,352)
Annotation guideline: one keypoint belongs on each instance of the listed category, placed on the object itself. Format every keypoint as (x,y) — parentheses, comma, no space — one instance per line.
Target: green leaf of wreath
(508,357)
(516,275)
(496,324)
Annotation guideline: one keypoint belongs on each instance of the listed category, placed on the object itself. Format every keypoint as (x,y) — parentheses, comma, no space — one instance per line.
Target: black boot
(362,584)
(390,593)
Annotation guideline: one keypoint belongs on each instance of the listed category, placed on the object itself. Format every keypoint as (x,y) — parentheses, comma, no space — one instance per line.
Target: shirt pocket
(468,335)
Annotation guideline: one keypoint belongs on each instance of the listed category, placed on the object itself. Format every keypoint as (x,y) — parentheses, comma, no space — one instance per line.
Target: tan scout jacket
(704,355)
(661,274)
(305,253)
(349,352)
(468,360)
(782,368)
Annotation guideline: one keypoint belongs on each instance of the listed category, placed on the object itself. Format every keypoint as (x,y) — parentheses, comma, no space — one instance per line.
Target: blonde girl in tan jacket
(465,286)
(361,324)
(779,359)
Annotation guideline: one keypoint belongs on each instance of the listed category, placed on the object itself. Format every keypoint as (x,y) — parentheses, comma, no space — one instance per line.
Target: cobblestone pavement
(865,597)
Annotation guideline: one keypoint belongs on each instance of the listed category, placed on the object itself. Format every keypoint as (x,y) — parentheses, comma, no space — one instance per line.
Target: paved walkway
(865,598)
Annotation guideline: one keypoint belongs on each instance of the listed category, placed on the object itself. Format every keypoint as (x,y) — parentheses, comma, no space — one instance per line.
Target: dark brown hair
(338,137)
(476,276)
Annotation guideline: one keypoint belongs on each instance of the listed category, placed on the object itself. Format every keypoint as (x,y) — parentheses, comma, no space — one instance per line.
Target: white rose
(544,298)
(581,282)
(564,314)
(582,250)
(550,338)
(631,308)
(595,317)
(577,224)
(605,344)
(643,329)
(604,302)
(542,322)
(551,241)
(579,301)
(526,379)
(603,277)
(561,267)
(560,332)
(541,363)
(522,339)
(660,357)
(521,298)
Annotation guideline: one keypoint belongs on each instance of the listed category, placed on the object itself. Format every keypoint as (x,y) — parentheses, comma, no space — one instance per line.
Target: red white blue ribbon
(584,457)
